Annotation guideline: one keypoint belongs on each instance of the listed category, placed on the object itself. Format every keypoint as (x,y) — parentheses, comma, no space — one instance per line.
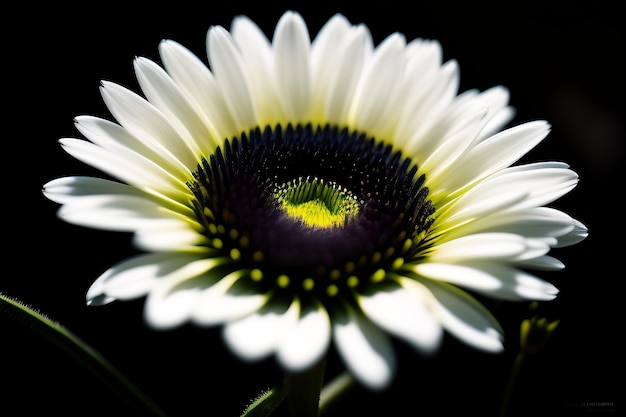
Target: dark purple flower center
(307,206)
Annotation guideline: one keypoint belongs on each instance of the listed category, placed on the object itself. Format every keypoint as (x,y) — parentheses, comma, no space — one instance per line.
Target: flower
(307,193)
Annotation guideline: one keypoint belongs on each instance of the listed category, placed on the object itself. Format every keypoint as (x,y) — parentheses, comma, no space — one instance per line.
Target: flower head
(302,193)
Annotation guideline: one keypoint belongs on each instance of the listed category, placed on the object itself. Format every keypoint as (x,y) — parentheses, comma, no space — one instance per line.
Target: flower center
(317,204)
(311,210)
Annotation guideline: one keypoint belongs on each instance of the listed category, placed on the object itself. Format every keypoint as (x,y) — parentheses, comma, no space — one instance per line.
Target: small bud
(535,333)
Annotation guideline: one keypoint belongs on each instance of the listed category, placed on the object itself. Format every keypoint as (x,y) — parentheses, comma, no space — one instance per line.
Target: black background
(562,61)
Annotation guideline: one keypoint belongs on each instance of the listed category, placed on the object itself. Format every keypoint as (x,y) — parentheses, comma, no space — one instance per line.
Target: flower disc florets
(310,209)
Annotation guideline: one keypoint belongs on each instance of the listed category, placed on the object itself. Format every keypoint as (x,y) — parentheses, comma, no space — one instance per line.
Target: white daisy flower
(309,194)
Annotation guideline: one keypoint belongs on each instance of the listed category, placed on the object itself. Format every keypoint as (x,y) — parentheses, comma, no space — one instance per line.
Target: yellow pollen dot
(212,228)
(220,229)
(208,213)
(389,252)
(257,256)
(379,275)
(235,255)
(256,275)
(244,241)
(352,281)
(233,234)
(334,274)
(332,290)
(376,257)
(308,284)
(349,267)
(282,281)
(217,243)
(397,263)
(407,245)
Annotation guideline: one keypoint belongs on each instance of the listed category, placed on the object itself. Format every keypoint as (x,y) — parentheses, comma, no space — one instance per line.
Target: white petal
(174,296)
(121,165)
(544,263)
(536,222)
(229,70)
(545,182)
(491,279)
(259,334)
(148,124)
(430,127)
(256,53)
(365,349)
(115,212)
(291,65)
(578,233)
(67,190)
(198,83)
(327,46)
(227,301)
(497,246)
(377,86)
(149,169)
(171,235)
(342,83)
(465,318)
(307,342)
(135,276)
(404,312)
(165,95)
(497,152)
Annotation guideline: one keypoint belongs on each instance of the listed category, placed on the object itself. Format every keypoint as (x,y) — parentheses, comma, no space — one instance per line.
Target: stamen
(317,204)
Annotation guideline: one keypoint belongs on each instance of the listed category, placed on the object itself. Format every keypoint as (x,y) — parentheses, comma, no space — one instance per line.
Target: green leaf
(81,352)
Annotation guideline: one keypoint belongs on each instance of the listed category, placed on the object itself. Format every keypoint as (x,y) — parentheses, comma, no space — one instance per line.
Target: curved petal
(464,317)
(149,169)
(135,276)
(148,124)
(376,87)
(229,71)
(497,152)
(259,334)
(172,235)
(489,278)
(226,301)
(404,312)
(165,95)
(200,86)
(171,301)
(307,342)
(122,213)
(256,53)
(485,246)
(291,46)
(365,349)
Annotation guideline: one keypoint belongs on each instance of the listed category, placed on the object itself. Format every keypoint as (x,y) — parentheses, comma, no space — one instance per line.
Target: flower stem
(303,390)
(81,352)
(510,386)
(266,403)
(335,390)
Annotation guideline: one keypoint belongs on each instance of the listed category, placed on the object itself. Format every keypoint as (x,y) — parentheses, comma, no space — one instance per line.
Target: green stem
(510,386)
(81,352)
(266,403)
(335,390)
(303,390)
